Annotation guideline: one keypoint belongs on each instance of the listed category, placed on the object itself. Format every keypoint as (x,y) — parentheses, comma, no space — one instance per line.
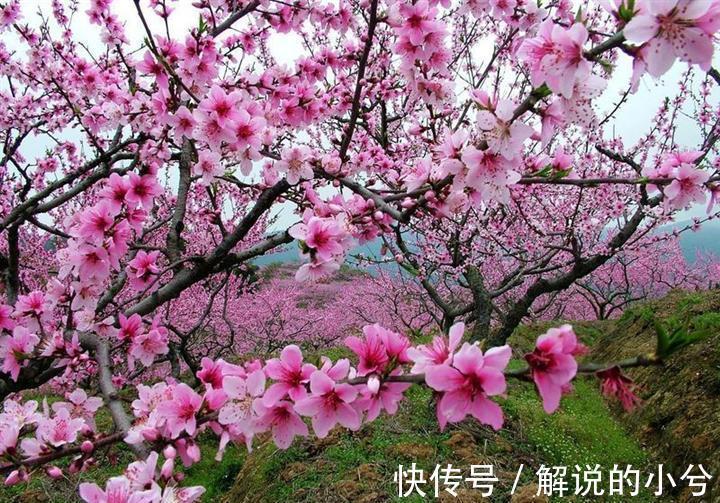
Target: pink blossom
(248,129)
(142,269)
(241,393)
(467,384)
(672,29)
(370,350)
(95,222)
(687,187)
(15,349)
(174,494)
(417,21)
(148,345)
(387,397)
(313,271)
(208,166)
(117,490)
(282,420)
(489,174)
(553,364)
(378,348)
(295,163)
(182,122)
(291,375)
(439,352)
(61,429)
(6,321)
(130,328)
(141,474)
(555,56)
(79,404)
(21,413)
(149,65)
(213,372)
(220,106)
(32,304)
(9,13)
(324,236)
(419,174)
(179,413)
(615,384)
(9,433)
(329,403)
(503,135)
(142,190)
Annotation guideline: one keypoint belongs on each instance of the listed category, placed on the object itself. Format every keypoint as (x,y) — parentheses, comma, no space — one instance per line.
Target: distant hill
(291,253)
(704,240)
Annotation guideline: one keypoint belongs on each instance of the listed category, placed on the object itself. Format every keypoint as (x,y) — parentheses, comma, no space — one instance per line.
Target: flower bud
(169,452)
(87,447)
(54,472)
(13,478)
(167,469)
(378,215)
(373,384)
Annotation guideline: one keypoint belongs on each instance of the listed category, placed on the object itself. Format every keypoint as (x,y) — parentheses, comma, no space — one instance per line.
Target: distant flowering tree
(647,272)
(140,179)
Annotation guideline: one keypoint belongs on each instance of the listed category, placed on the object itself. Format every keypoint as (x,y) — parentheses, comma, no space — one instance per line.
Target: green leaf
(542,91)
(561,173)
(410,269)
(662,339)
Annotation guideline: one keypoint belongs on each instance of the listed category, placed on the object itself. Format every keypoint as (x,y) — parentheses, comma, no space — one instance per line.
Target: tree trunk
(482,305)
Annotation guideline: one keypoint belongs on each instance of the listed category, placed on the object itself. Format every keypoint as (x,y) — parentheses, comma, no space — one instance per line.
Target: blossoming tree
(141,178)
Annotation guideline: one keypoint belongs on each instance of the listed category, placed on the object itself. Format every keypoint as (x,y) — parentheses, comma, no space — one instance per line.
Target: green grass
(215,476)
(582,432)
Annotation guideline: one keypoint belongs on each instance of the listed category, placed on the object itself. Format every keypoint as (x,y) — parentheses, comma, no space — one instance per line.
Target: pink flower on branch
(553,364)
(295,163)
(467,384)
(291,375)
(329,403)
(15,350)
(555,56)
(282,420)
(439,352)
(180,412)
(671,29)
(615,384)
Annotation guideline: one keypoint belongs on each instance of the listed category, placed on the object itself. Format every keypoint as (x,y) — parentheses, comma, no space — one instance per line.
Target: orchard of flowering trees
(142,175)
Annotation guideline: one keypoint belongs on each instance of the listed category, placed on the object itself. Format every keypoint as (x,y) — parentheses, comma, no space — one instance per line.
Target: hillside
(679,421)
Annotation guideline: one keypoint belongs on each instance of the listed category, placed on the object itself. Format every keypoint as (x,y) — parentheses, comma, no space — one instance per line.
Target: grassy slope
(680,419)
